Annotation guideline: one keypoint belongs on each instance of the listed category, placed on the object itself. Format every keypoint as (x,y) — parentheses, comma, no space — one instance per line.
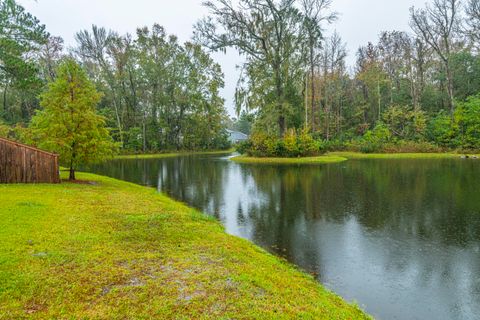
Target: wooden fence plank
(20,163)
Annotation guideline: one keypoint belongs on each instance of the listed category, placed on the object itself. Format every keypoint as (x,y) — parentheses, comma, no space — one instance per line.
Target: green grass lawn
(172,154)
(306,160)
(113,250)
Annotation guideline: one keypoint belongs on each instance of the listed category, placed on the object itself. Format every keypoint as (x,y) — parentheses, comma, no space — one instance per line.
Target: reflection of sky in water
(401,238)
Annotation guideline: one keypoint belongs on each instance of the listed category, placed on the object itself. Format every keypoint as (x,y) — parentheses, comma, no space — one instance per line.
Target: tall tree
(50,54)
(439,25)
(330,80)
(373,82)
(93,47)
(473,22)
(160,93)
(417,56)
(269,34)
(68,123)
(316,13)
(21,34)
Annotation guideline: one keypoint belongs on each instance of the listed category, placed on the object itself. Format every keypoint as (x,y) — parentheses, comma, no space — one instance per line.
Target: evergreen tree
(68,123)
(21,34)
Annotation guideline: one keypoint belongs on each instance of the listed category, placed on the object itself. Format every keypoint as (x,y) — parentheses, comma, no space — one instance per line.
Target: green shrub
(408,146)
(404,123)
(441,130)
(467,124)
(462,131)
(307,145)
(4,130)
(133,139)
(368,147)
(373,140)
(333,145)
(244,147)
(291,146)
(24,135)
(17,133)
(220,141)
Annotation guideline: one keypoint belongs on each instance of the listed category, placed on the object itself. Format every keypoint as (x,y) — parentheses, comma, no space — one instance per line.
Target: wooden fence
(20,163)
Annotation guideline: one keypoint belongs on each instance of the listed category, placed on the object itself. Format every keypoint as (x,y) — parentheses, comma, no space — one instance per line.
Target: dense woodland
(412,90)
(415,90)
(157,94)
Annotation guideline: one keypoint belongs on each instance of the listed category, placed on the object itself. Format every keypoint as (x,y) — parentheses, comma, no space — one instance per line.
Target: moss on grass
(306,160)
(113,250)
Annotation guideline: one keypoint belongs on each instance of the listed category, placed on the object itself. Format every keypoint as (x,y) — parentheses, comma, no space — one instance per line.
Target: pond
(399,237)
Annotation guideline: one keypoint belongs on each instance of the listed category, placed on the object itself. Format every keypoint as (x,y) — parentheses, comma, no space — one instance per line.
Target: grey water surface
(399,237)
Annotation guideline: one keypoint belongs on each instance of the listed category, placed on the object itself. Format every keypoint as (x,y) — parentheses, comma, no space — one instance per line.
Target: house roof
(237,133)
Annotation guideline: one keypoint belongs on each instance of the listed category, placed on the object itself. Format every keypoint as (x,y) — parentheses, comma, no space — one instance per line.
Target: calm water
(399,237)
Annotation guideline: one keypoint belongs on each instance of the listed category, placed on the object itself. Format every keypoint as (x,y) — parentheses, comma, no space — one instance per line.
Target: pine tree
(68,123)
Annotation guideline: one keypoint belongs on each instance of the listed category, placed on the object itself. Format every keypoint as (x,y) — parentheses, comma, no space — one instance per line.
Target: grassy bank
(357,155)
(112,250)
(306,160)
(172,154)
(334,157)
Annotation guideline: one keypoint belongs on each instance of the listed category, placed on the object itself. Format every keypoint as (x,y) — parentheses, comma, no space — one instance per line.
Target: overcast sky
(360,21)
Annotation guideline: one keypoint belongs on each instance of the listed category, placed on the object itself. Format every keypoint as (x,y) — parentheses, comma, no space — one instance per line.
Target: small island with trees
(409,93)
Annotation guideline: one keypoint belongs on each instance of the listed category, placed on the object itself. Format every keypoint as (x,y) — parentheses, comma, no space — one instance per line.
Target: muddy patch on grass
(81,182)
(131,283)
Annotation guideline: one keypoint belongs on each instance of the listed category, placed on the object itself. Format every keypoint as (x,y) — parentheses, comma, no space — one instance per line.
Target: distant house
(235,136)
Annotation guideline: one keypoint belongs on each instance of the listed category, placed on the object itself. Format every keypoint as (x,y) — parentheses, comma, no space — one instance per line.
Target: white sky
(360,21)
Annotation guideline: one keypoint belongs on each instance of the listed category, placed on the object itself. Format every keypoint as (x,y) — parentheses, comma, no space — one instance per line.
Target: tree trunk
(117,116)
(144,129)
(72,171)
(5,107)
(379,101)
(312,84)
(72,161)
(282,125)
(281,116)
(327,118)
(413,86)
(72,174)
(451,97)
(305,93)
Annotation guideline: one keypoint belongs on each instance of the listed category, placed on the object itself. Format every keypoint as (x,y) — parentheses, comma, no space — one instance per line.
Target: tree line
(157,93)
(416,88)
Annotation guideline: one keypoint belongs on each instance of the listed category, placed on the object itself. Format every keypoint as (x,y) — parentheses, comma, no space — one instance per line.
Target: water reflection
(400,237)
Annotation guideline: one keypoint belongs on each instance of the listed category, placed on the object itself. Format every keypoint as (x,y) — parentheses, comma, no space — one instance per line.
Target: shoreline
(172,154)
(341,156)
(326,159)
(330,157)
(106,247)
(359,155)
